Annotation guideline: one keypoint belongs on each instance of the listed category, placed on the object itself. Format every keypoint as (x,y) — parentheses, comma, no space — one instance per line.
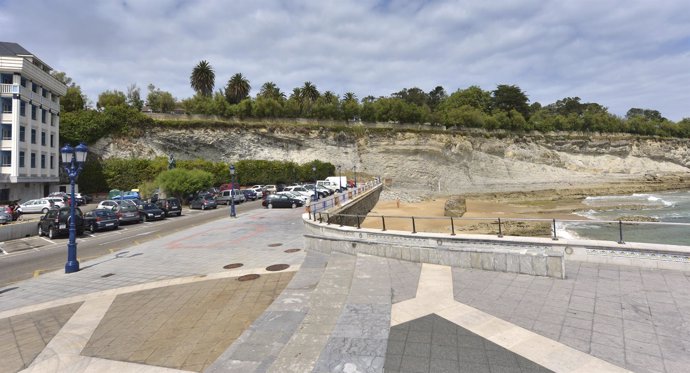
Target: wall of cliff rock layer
(442,162)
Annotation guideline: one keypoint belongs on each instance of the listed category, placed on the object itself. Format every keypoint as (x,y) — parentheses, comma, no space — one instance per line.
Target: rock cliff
(435,161)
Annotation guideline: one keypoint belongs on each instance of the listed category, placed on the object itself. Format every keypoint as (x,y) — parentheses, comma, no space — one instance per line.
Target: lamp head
(232,169)
(80,151)
(66,153)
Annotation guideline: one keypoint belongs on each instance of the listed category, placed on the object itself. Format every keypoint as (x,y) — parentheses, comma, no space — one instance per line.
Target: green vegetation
(147,174)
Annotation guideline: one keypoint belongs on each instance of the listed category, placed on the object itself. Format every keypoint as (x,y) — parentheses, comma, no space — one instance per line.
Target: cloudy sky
(620,54)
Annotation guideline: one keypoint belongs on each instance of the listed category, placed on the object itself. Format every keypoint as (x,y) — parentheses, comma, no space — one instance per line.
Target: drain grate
(249,277)
(275,245)
(277,267)
(108,275)
(233,265)
(292,250)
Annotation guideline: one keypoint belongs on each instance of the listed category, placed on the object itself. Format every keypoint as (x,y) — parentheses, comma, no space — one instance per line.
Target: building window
(52,159)
(52,142)
(6,158)
(6,78)
(44,93)
(34,87)
(4,194)
(22,133)
(23,82)
(43,161)
(22,108)
(33,112)
(33,160)
(6,105)
(7,132)
(43,116)
(43,138)
(21,159)
(33,136)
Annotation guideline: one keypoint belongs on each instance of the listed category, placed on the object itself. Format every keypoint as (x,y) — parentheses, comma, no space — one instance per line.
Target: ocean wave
(589,214)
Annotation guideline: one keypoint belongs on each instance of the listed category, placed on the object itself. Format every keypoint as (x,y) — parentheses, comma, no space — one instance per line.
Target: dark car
(100,219)
(281,200)
(127,212)
(56,222)
(203,202)
(149,211)
(250,194)
(171,206)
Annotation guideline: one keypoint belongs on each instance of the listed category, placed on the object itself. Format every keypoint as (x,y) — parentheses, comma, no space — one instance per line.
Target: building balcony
(9,89)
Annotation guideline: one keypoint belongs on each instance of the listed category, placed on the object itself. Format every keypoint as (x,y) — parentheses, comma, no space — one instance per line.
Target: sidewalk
(170,305)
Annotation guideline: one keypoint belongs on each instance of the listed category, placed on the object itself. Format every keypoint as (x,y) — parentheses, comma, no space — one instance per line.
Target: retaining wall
(18,230)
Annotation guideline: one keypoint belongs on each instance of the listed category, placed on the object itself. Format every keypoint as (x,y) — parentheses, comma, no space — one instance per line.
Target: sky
(620,54)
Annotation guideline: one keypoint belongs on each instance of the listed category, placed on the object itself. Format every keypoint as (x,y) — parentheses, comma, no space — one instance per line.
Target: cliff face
(437,162)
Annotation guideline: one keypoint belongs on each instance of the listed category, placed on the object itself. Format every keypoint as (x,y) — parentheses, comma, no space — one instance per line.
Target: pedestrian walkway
(241,295)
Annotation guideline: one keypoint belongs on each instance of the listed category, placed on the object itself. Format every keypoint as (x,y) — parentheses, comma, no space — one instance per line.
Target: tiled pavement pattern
(23,337)
(184,326)
(633,317)
(404,279)
(432,344)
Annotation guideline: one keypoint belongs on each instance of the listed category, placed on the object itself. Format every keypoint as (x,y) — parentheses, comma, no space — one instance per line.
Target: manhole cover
(292,250)
(108,275)
(252,276)
(233,265)
(275,244)
(277,267)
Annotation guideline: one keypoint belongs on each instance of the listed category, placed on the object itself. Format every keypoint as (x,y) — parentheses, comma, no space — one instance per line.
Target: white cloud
(620,54)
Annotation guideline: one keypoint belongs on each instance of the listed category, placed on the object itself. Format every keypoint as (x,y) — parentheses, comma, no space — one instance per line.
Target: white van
(224,197)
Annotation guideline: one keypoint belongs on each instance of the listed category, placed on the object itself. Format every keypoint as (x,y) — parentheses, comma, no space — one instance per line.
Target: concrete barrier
(18,230)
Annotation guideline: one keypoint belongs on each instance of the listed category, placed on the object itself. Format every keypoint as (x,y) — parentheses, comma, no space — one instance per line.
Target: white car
(300,190)
(296,195)
(57,201)
(259,191)
(108,204)
(270,188)
(41,205)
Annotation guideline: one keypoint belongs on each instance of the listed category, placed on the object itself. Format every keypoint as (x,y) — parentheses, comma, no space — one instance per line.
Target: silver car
(41,205)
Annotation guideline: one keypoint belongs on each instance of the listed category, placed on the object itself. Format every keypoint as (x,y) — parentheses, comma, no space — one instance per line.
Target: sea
(666,207)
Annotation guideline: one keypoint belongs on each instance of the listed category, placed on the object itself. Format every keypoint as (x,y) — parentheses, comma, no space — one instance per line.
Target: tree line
(507,107)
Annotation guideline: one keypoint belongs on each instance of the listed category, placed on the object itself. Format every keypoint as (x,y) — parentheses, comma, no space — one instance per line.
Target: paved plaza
(242,295)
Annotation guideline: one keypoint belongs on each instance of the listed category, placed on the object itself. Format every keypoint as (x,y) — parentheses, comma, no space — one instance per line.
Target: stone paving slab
(23,337)
(184,326)
(633,317)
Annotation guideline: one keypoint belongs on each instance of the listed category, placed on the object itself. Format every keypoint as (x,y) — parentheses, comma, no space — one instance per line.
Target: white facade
(30,120)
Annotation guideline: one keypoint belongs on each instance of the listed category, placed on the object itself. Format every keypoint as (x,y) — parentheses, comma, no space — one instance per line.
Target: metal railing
(606,230)
(339,199)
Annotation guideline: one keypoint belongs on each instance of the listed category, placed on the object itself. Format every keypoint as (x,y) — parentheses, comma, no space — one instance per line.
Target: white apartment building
(30,119)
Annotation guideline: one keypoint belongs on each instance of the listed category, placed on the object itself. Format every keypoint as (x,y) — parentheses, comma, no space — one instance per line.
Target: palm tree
(203,79)
(309,92)
(330,97)
(349,96)
(270,90)
(237,89)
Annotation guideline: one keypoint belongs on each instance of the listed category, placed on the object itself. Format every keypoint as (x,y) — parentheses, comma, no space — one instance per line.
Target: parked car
(41,205)
(126,195)
(149,211)
(300,190)
(270,188)
(203,202)
(127,213)
(296,195)
(56,222)
(12,209)
(281,200)
(5,217)
(108,204)
(100,219)
(259,191)
(80,199)
(171,206)
(59,201)
(323,192)
(250,194)
(224,197)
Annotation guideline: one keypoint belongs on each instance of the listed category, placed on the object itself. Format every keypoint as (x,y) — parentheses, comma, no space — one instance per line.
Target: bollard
(414,228)
(555,238)
(500,231)
(452,227)
(620,232)
(383,222)
(358,226)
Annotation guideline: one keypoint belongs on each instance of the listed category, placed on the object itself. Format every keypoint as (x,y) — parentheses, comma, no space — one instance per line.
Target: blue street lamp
(316,194)
(72,160)
(354,168)
(232,191)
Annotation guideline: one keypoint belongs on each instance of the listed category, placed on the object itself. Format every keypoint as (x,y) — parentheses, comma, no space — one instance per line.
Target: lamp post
(232,191)
(316,194)
(354,168)
(340,180)
(72,160)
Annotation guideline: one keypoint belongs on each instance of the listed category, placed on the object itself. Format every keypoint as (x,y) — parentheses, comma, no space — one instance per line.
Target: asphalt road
(29,257)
